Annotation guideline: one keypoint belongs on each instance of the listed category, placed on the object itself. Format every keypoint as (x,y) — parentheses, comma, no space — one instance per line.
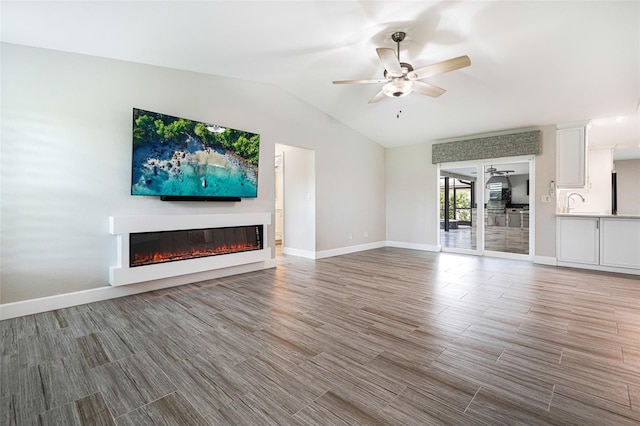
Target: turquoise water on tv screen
(191,171)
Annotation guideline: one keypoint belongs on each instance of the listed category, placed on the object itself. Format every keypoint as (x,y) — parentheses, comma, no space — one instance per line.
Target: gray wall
(545,220)
(412,195)
(66,161)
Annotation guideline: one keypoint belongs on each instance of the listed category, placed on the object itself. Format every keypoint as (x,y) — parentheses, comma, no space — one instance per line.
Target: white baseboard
(354,249)
(331,252)
(349,249)
(412,246)
(599,268)
(59,301)
(545,260)
(299,253)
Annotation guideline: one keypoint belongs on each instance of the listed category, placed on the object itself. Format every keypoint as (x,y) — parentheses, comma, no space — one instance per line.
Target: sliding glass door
(486,207)
(459,208)
(507,208)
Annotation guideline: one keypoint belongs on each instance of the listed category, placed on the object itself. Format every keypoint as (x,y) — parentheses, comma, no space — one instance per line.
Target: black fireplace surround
(148,248)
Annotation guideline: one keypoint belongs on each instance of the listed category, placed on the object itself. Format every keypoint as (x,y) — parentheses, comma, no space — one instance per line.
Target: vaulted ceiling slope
(532,63)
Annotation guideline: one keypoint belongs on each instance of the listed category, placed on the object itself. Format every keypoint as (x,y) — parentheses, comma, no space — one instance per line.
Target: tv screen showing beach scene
(175,156)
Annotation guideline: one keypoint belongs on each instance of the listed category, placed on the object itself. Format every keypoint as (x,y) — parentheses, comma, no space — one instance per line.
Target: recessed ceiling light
(619,119)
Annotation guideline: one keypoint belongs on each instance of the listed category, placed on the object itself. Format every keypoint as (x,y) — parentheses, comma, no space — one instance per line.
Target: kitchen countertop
(607,215)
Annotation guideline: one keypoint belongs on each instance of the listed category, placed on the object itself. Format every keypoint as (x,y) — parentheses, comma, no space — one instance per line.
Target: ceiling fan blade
(427,89)
(390,61)
(378,80)
(440,68)
(377,98)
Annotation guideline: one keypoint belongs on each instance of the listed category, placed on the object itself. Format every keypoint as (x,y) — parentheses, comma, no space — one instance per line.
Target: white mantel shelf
(123,226)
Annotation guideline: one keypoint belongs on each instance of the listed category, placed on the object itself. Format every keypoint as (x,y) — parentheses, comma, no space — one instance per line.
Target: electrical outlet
(546,198)
(366,234)
(350,236)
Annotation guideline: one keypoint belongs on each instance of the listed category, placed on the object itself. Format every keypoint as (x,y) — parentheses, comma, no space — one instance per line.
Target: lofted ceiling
(532,63)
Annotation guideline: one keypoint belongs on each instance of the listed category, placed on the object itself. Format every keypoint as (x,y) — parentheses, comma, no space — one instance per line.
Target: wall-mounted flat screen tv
(177,158)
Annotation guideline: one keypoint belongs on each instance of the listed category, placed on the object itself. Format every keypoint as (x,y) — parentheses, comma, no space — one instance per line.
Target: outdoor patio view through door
(458,209)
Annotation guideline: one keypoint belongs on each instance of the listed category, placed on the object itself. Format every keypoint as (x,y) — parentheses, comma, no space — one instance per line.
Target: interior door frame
(480,165)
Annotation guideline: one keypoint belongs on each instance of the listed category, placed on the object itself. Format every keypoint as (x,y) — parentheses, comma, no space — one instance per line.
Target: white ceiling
(533,63)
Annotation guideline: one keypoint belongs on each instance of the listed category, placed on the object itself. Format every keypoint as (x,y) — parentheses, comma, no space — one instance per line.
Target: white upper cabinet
(571,146)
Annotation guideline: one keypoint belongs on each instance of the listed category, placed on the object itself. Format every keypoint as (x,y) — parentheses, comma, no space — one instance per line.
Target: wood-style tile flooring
(386,336)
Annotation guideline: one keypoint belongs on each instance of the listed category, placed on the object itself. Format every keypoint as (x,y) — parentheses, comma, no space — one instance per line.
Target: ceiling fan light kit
(397,88)
(401,79)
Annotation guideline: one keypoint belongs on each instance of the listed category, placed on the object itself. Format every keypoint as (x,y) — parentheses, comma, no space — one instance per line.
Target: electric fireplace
(188,248)
(148,248)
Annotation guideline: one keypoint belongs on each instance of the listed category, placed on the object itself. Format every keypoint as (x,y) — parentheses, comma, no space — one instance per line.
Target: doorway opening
(279,195)
(295,207)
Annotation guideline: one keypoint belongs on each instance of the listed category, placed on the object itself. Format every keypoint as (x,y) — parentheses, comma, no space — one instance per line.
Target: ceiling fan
(400,77)
(493,171)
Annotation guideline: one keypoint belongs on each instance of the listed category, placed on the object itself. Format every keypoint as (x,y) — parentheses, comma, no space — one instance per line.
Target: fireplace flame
(149,259)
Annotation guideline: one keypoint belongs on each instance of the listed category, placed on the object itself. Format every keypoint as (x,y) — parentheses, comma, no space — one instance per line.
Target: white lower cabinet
(620,243)
(578,240)
(604,243)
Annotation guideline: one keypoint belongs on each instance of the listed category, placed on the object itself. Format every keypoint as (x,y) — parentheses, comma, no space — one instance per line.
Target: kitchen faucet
(567,208)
